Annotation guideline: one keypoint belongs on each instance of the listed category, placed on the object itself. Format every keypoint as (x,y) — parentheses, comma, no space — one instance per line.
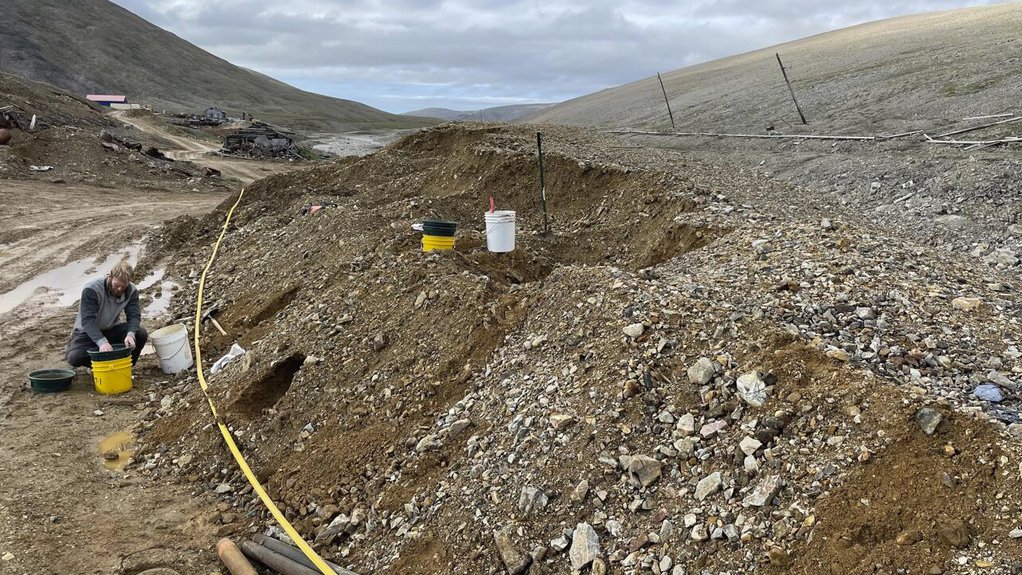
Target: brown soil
(61,510)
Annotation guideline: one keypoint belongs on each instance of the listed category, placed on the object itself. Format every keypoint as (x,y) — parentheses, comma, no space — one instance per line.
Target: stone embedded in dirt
(955,533)
(585,546)
(223,488)
(749,445)
(988,392)
(1016,533)
(997,378)
(561,421)
(514,559)
(1002,258)
(560,544)
(580,491)
(531,499)
(458,426)
(634,330)
(967,303)
(614,527)
(752,389)
(184,460)
(631,388)
(838,354)
(928,420)
(764,492)
(336,527)
(687,424)
(708,486)
(111,455)
(702,371)
(699,533)
(909,537)
(427,443)
(713,428)
(380,342)
(865,313)
(7,556)
(642,469)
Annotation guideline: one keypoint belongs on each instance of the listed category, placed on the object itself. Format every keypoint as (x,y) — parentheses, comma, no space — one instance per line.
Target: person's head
(120,277)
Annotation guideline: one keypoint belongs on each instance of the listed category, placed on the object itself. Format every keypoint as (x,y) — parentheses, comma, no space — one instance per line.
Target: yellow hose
(238,457)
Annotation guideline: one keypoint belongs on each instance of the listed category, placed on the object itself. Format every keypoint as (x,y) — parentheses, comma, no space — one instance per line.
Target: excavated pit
(266,391)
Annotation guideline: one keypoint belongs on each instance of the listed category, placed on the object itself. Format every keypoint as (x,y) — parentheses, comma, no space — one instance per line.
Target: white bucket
(500,231)
(171,345)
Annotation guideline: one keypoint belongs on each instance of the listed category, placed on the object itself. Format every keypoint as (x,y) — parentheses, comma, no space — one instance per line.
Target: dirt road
(61,510)
(245,171)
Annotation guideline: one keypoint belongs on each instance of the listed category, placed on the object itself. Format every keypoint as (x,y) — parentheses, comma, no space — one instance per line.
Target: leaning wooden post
(666,101)
(542,185)
(785,74)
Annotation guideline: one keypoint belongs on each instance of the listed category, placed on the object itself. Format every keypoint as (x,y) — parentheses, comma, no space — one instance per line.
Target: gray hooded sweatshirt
(99,310)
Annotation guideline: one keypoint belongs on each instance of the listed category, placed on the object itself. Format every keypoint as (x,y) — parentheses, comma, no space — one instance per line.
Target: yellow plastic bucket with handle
(430,243)
(112,376)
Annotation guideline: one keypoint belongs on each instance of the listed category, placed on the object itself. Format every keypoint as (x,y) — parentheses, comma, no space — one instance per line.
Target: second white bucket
(500,231)
(171,345)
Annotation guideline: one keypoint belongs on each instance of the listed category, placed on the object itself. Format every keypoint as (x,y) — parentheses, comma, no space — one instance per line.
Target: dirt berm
(690,374)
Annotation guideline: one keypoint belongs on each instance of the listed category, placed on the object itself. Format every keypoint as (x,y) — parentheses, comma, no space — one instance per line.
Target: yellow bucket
(430,243)
(112,376)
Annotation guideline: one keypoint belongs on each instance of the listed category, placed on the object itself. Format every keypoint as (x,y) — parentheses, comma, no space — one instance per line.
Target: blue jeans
(77,350)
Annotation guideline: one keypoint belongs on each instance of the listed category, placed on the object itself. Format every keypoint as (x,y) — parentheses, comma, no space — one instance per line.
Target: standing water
(117,449)
(68,279)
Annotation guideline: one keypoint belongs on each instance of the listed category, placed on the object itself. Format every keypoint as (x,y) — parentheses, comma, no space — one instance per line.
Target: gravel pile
(689,375)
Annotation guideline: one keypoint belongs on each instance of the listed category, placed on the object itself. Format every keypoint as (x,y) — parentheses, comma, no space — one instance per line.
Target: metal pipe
(232,558)
(275,561)
(294,553)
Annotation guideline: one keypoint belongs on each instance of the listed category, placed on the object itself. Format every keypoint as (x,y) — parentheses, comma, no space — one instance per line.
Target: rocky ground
(702,369)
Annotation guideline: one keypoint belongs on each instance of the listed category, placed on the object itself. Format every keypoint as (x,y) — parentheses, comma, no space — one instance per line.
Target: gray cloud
(404,55)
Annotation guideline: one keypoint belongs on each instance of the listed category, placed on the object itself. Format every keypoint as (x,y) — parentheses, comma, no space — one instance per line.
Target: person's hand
(129,341)
(106,347)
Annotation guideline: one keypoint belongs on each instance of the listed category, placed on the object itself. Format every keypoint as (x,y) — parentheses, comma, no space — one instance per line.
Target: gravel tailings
(695,373)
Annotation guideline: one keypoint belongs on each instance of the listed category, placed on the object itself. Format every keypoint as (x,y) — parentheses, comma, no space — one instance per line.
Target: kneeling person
(99,312)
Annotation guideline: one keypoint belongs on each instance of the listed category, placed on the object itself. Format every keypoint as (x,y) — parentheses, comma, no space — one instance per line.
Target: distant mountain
(95,46)
(496,114)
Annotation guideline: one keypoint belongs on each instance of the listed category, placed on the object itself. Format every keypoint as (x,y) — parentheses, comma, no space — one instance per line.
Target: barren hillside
(915,78)
(890,76)
(95,46)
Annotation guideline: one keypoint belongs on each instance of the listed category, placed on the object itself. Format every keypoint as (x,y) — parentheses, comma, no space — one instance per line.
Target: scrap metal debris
(260,140)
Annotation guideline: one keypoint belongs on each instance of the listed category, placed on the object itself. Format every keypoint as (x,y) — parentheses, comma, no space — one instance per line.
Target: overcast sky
(406,55)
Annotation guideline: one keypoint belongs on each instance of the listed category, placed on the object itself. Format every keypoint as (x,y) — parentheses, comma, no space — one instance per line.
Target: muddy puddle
(161,289)
(66,281)
(116,450)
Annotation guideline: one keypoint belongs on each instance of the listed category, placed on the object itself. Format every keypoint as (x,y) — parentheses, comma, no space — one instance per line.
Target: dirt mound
(669,378)
(74,142)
